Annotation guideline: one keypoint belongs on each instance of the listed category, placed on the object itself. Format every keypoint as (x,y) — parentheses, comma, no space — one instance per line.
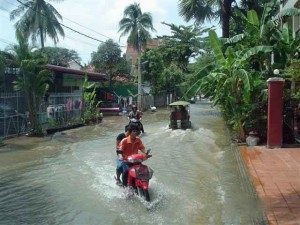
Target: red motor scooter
(139,174)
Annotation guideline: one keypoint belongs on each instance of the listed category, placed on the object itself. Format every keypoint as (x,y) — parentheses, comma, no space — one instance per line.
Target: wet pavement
(275,173)
(67,178)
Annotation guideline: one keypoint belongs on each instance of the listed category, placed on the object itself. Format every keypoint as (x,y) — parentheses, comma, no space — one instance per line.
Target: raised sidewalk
(275,174)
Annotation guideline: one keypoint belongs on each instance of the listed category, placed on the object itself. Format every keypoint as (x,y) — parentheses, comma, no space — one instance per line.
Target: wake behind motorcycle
(139,174)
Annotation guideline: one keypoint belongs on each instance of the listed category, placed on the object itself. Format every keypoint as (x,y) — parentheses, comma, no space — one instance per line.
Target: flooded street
(67,178)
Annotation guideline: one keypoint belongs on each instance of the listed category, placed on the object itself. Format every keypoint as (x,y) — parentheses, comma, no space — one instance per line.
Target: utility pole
(139,103)
(139,84)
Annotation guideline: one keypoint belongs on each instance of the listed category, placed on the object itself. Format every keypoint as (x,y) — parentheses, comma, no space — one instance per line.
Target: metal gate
(13,117)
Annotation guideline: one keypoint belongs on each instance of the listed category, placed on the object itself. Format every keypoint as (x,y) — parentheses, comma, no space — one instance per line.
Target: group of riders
(128,143)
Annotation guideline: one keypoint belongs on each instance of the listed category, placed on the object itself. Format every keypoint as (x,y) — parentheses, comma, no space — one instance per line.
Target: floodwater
(68,178)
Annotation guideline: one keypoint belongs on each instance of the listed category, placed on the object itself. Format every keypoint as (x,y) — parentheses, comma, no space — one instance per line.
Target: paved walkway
(275,174)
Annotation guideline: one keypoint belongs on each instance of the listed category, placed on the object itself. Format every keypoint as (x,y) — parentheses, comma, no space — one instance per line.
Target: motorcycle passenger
(129,146)
(173,118)
(136,114)
(119,169)
(184,117)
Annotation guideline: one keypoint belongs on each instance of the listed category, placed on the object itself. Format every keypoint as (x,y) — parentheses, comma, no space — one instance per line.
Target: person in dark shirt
(173,118)
(137,115)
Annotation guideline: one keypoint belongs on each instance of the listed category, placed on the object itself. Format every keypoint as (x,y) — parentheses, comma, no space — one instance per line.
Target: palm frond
(287,12)
(38,19)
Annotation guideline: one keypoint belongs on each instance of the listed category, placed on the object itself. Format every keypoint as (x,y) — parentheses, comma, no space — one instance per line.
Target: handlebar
(134,120)
(148,151)
(138,156)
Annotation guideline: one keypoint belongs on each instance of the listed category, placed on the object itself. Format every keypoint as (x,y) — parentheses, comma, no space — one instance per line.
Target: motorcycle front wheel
(143,193)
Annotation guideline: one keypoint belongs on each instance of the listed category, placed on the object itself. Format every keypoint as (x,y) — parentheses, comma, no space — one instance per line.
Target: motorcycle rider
(129,146)
(136,114)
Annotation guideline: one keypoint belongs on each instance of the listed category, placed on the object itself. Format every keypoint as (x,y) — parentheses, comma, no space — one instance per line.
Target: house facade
(294,21)
(61,105)
(289,131)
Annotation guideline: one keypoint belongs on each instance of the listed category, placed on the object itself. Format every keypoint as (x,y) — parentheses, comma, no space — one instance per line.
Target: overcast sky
(96,18)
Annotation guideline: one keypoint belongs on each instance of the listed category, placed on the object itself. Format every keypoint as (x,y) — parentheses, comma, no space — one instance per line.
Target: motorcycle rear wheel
(143,193)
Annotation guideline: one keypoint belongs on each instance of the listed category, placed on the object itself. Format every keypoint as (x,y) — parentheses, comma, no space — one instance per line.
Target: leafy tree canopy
(108,60)
(6,59)
(58,56)
(171,77)
(153,68)
(185,43)
(107,56)
(122,68)
(203,10)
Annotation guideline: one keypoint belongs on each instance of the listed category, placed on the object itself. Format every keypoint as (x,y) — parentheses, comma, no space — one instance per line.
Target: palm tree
(33,80)
(38,18)
(137,25)
(202,10)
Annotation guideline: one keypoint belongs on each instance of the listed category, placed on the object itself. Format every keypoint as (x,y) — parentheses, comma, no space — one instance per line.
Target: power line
(76,31)
(86,27)
(4,9)
(6,41)
(68,20)
(10,3)
(92,45)
(4,16)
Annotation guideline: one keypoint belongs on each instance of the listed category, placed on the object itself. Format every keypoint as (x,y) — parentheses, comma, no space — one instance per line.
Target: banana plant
(90,113)
(269,31)
(236,80)
(231,84)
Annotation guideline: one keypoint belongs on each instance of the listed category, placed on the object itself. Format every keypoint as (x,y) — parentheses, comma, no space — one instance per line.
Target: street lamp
(139,105)
(276,72)
(140,83)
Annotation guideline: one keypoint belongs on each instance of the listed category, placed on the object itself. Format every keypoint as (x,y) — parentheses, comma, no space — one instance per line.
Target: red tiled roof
(100,76)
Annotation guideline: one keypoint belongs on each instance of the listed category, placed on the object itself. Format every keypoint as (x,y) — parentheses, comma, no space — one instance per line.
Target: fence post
(275,106)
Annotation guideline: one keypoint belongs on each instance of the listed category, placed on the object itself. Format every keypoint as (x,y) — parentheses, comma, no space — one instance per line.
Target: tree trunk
(42,37)
(35,125)
(109,77)
(250,4)
(293,87)
(226,14)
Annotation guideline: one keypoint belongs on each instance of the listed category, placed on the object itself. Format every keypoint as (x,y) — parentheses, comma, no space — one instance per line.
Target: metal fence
(147,101)
(13,118)
(59,110)
(291,122)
